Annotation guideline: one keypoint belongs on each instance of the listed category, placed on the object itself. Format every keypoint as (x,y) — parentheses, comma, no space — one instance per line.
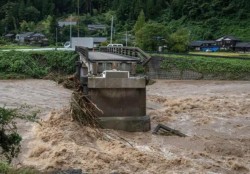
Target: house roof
(9,35)
(199,43)
(100,39)
(228,37)
(96,26)
(66,23)
(38,35)
(242,45)
(26,34)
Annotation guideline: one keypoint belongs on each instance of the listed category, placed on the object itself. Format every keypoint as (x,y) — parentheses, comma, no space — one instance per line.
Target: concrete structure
(94,27)
(88,42)
(111,83)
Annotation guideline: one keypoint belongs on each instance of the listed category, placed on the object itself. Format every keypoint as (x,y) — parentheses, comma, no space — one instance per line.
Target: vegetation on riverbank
(7,169)
(227,54)
(231,69)
(16,64)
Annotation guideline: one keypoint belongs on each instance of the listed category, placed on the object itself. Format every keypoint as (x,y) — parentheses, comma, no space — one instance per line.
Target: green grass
(16,46)
(231,69)
(227,54)
(13,46)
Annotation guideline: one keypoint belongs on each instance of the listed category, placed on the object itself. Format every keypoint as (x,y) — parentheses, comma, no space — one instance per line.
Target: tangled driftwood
(84,110)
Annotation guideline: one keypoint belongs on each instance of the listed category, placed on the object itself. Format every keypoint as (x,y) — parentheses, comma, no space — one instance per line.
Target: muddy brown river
(215,116)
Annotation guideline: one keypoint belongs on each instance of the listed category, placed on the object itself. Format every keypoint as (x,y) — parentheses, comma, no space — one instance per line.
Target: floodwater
(215,116)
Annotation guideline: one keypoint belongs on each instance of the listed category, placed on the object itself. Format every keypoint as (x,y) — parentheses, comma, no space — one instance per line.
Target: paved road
(109,56)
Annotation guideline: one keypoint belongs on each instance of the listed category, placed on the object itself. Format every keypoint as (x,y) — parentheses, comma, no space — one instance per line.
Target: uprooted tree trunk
(84,110)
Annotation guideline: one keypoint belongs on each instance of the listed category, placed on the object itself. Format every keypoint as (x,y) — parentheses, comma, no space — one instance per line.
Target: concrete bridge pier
(120,97)
(122,100)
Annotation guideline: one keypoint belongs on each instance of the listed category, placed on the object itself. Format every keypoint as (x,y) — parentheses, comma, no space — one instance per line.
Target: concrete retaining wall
(156,72)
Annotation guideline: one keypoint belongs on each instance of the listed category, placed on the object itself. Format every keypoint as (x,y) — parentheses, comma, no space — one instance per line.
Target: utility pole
(126,38)
(56,38)
(111,34)
(70,30)
(78,19)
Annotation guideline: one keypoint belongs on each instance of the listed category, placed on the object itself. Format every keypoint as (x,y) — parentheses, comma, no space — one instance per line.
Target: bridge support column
(122,100)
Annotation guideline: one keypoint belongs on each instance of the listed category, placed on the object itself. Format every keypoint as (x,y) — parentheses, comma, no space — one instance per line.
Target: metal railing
(128,51)
(83,50)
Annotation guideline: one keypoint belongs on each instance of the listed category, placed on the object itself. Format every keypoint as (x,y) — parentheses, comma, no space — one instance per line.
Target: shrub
(10,139)
(37,64)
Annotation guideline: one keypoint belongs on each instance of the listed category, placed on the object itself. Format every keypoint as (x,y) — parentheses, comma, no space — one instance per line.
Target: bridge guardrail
(83,50)
(128,51)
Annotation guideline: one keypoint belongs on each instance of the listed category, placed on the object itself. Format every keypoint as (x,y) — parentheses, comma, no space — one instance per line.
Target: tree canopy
(204,19)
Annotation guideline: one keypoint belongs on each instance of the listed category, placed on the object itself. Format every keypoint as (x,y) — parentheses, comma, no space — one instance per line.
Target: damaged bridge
(108,77)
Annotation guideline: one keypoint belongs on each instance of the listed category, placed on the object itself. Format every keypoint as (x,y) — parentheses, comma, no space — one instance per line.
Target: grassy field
(15,46)
(227,54)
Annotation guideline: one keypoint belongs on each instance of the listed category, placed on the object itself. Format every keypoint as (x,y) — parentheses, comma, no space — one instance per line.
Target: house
(89,42)
(23,36)
(32,38)
(242,47)
(94,27)
(227,42)
(37,39)
(66,23)
(9,36)
(205,45)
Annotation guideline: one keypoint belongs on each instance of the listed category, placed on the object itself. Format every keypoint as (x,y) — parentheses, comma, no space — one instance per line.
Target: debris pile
(84,110)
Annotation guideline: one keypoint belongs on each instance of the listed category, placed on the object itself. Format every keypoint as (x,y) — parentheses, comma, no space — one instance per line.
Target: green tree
(179,41)
(10,139)
(27,26)
(31,14)
(53,26)
(151,35)
(21,10)
(140,22)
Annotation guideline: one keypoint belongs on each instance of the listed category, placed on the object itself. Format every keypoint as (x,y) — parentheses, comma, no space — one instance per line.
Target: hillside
(203,19)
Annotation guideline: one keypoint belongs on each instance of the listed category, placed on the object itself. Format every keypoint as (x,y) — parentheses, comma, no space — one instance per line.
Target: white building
(89,42)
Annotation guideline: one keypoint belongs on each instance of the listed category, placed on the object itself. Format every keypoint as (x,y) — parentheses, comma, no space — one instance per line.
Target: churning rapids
(214,114)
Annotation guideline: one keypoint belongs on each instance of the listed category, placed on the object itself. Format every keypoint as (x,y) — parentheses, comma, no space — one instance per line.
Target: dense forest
(201,18)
